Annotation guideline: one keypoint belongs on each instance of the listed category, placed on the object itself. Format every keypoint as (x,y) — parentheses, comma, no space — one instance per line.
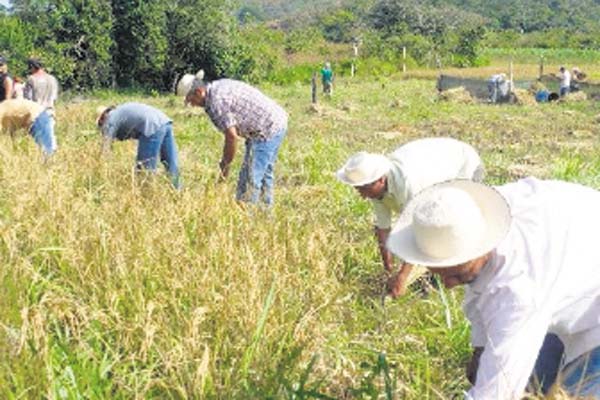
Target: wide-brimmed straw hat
(363,168)
(450,223)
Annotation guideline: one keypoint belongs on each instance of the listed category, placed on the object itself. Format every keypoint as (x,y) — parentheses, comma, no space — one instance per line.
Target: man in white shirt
(565,81)
(390,181)
(528,255)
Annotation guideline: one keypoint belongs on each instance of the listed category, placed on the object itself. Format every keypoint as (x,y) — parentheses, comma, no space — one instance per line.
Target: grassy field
(115,286)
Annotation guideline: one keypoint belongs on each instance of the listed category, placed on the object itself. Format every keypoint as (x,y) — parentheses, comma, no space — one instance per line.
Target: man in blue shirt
(150,126)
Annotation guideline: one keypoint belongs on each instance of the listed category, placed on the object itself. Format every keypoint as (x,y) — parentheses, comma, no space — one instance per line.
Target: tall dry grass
(113,285)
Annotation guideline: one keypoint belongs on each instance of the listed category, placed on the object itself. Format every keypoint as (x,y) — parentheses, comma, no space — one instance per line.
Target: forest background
(149,44)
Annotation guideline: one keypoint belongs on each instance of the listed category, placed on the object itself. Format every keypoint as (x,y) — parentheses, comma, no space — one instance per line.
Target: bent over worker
(150,127)
(240,110)
(528,255)
(391,181)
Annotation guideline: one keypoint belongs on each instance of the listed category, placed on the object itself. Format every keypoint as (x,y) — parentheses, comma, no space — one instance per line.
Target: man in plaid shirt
(238,109)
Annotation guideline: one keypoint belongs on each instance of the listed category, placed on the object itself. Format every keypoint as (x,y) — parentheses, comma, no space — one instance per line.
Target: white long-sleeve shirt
(420,164)
(543,277)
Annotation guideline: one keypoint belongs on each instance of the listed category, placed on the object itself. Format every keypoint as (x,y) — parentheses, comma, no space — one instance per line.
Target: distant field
(114,286)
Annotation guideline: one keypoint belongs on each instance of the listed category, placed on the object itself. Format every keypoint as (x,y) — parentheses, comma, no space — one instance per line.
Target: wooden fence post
(541,67)
(403,59)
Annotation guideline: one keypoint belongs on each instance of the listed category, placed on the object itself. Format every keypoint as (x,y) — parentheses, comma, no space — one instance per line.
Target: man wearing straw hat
(240,110)
(152,129)
(390,181)
(528,255)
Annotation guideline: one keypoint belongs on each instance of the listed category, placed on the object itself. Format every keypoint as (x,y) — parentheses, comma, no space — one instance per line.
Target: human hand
(396,284)
(224,171)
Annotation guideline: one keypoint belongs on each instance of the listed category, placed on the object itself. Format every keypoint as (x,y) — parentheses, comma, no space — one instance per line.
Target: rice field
(113,285)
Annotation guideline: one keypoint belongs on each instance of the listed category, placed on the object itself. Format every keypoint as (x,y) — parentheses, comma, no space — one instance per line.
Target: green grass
(115,286)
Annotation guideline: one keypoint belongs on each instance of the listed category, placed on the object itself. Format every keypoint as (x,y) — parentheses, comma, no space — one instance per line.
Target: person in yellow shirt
(25,114)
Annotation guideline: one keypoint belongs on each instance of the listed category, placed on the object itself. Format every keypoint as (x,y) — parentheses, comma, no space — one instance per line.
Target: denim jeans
(257,177)
(548,363)
(161,143)
(564,91)
(581,377)
(42,131)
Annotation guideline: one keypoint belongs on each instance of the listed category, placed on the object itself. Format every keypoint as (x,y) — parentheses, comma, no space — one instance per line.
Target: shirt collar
(487,273)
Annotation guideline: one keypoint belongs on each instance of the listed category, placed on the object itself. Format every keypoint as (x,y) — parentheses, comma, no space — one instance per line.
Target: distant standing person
(391,181)
(327,79)
(6,82)
(240,110)
(26,114)
(41,86)
(565,81)
(150,126)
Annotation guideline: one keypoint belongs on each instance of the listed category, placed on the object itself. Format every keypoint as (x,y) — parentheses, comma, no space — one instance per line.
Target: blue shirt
(130,120)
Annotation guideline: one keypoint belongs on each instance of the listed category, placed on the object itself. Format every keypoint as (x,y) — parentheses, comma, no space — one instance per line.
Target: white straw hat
(450,223)
(363,168)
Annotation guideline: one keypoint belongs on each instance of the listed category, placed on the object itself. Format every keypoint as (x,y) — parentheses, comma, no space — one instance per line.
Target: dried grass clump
(524,97)
(536,87)
(575,97)
(457,95)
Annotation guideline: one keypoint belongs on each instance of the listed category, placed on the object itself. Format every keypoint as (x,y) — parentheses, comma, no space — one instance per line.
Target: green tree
(340,26)
(205,34)
(140,34)
(73,38)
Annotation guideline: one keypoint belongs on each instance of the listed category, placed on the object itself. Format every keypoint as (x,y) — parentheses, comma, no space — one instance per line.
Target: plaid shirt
(233,103)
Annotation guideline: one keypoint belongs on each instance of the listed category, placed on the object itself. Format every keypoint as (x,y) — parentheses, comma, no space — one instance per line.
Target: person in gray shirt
(41,86)
(150,126)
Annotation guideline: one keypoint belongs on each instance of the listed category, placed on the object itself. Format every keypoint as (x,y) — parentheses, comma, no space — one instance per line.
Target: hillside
(522,15)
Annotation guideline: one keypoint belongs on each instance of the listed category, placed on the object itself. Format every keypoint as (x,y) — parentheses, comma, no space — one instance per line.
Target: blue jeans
(161,143)
(548,362)
(257,177)
(564,91)
(581,377)
(42,131)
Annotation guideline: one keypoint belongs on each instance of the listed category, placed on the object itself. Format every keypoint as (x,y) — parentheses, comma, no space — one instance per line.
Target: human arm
(514,333)
(28,90)
(8,87)
(106,144)
(396,284)
(228,150)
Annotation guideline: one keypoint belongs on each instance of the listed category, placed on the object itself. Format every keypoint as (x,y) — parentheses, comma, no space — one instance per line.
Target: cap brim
(495,211)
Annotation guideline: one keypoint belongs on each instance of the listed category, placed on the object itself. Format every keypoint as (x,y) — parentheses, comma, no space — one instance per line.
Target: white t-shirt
(420,164)
(544,277)
(565,79)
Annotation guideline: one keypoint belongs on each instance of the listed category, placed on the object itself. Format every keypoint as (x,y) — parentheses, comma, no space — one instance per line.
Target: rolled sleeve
(383,215)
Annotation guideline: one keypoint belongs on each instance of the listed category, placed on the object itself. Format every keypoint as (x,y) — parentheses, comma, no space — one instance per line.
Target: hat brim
(494,209)
(383,169)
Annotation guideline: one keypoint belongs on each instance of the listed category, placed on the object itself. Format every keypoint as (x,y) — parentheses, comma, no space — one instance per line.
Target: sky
(4,2)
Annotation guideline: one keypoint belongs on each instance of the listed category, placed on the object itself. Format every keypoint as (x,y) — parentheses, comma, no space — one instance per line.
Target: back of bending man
(391,181)
(150,127)
(528,256)
(240,110)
